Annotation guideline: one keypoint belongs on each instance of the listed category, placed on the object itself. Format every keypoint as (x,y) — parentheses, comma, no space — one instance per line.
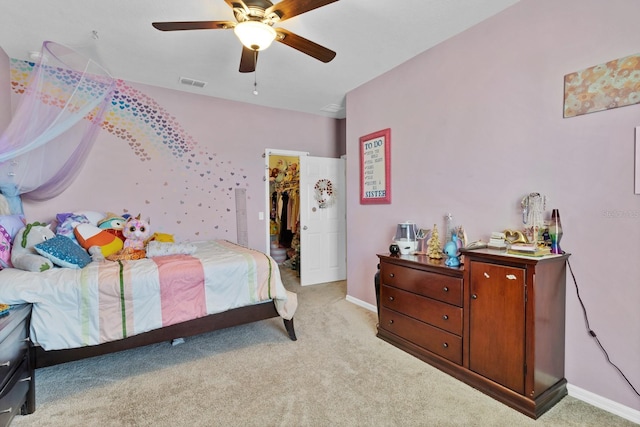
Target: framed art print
(375,168)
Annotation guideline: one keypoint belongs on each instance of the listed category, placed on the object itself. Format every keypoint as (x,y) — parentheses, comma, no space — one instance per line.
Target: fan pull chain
(255,73)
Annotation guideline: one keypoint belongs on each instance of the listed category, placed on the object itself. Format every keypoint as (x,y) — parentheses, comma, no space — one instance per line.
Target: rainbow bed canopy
(53,126)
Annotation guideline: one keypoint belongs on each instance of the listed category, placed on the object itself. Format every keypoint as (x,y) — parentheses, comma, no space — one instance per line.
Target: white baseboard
(362,304)
(573,391)
(604,403)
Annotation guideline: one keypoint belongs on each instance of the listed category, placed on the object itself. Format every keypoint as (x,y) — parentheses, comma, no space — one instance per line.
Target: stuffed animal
(135,232)
(160,237)
(113,224)
(91,237)
(282,167)
(23,254)
(293,171)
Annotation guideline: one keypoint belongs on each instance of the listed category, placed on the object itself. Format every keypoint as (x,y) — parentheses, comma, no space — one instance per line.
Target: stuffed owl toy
(114,224)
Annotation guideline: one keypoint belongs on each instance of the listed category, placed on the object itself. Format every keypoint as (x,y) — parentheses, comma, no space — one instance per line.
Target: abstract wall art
(602,87)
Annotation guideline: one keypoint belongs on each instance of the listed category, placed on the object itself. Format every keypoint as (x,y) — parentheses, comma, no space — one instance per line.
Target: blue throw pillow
(62,251)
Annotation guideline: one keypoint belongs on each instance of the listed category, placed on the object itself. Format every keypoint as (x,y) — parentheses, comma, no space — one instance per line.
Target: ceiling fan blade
(248,60)
(286,9)
(194,25)
(237,4)
(321,53)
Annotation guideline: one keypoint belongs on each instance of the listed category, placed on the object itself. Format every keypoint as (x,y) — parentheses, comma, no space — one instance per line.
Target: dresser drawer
(12,350)
(444,316)
(438,286)
(426,336)
(14,394)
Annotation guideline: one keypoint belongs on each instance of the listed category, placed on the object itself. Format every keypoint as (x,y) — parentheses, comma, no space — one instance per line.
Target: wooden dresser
(496,322)
(17,388)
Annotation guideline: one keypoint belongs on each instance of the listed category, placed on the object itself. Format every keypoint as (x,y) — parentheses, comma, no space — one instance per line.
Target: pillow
(63,252)
(155,248)
(12,224)
(9,227)
(61,217)
(5,249)
(68,224)
(88,235)
(92,216)
(5,209)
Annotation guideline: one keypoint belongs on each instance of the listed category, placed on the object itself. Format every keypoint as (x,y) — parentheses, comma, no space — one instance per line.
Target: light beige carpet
(338,373)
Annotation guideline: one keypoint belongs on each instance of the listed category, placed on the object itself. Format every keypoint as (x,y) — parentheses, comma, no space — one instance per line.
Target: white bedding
(109,300)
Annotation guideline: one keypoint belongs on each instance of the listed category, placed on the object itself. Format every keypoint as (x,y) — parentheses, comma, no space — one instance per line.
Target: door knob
(474,296)
(304,228)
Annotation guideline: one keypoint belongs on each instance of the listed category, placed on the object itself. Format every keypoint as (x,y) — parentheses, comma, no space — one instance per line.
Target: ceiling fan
(255,28)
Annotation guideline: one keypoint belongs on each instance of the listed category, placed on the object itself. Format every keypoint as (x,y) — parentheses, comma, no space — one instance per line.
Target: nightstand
(17,385)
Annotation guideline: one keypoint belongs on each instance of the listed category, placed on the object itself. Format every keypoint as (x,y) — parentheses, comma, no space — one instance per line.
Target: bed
(110,306)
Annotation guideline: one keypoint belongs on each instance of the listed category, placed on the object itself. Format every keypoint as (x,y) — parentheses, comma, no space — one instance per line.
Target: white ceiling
(369,36)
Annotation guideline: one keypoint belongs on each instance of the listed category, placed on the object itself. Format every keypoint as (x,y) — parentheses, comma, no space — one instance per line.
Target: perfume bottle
(555,232)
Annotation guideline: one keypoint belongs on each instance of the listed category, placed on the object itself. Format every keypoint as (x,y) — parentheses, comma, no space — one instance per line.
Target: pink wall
(476,124)
(188,189)
(5,92)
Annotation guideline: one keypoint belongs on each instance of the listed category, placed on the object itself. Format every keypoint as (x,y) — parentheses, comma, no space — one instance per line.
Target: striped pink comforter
(110,300)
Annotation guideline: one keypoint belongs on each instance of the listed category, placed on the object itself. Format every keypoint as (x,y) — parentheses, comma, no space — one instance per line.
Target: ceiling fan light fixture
(255,35)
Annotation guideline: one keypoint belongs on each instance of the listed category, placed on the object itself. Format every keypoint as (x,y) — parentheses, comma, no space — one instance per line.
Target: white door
(322,220)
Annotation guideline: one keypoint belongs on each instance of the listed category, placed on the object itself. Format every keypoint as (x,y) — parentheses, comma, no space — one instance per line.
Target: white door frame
(273,152)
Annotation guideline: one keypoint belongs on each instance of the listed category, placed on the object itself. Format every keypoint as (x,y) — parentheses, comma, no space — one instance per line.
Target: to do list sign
(375,185)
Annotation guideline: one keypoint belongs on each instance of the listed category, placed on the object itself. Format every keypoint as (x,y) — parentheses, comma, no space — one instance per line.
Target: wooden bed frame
(237,316)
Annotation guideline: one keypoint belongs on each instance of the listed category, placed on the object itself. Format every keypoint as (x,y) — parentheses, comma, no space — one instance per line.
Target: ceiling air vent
(331,108)
(192,82)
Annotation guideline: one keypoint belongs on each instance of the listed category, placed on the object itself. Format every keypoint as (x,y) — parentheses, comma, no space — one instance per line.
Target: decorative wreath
(324,192)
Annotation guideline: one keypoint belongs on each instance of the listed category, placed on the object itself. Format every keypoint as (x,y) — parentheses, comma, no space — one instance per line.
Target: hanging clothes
(294,213)
(285,234)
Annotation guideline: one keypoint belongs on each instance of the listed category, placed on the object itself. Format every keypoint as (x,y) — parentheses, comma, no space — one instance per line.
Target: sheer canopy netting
(54,124)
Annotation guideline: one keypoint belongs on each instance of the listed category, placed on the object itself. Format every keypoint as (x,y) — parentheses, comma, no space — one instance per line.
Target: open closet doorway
(306,223)
(283,199)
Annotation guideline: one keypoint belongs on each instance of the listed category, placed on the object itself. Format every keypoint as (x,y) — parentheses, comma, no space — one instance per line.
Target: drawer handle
(392,275)
(391,298)
(7,363)
(446,289)
(6,411)
(445,317)
(391,322)
(445,345)
(474,296)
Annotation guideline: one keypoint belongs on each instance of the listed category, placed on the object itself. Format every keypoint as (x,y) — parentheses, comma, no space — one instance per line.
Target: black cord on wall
(593,334)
